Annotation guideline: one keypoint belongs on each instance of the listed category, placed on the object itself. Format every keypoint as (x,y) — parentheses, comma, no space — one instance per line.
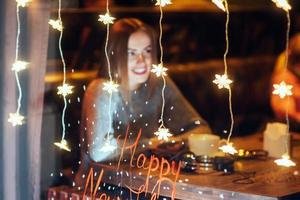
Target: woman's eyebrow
(132,49)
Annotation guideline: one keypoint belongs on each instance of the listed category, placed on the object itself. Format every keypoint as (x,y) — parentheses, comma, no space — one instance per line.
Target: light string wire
(285,71)
(16,59)
(225,66)
(64,73)
(109,72)
(161,61)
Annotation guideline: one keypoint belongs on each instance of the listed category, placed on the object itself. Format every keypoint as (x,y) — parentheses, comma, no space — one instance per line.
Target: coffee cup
(204,144)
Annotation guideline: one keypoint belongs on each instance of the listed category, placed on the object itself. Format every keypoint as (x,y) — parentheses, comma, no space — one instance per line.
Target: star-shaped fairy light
(19,65)
(220,4)
(163,3)
(110,87)
(106,19)
(108,147)
(56,24)
(283,4)
(163,134)
(15,119)
(63,145)
(228,148)
(159,70)
(282,89)
(285,161)
(222,81)
(65,89)
(22,3)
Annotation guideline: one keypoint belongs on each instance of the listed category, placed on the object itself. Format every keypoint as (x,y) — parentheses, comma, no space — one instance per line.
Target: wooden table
(270,181)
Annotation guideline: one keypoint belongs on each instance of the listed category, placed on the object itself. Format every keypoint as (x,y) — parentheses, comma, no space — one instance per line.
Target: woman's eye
(148,52)
(131,53)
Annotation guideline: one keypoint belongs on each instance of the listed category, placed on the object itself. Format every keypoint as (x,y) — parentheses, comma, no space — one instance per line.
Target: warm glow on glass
(110,87)
(65,89)
(22,3)
(283,4)
(108,147)
(220,4)
(163,3)
(63,145)
(15,119)
(106,19)
(282,89)
(159,70)
(222,81)
(285,161)
(56,24)
(163,134)
(228,148)
(19,65)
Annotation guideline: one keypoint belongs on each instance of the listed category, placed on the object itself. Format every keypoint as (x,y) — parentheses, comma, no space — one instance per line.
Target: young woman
(132,50)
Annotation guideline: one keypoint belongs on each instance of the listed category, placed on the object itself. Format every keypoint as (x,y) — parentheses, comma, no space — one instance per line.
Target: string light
(16,118)
(106,19)
(220,4)
(282,89)
(222,81)
(108,147)
(159,70)
(163,3)
(109,86)
(228,148)
(22,3)
(56,24)
(162,133)
(63,145)
(282,4)
(19,65)
(64,89)
(285,161)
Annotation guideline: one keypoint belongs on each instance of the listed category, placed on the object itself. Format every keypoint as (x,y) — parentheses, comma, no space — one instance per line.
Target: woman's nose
(140,58)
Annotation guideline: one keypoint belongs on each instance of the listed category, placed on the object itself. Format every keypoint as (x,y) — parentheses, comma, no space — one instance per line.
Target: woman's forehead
(139,40)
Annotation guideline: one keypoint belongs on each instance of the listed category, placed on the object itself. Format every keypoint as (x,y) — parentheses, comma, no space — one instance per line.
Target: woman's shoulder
(96,85)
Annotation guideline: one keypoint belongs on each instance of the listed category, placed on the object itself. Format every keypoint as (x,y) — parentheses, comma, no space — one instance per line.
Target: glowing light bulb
(106,19)
(159,70)
(285,161)
(110,87)
(163,134)
(19,65)
(282,4)
(108,147)
(163,3)
(63,145)
(65,89)
(282,89)
(228,148)
(22,3)
(222,81)
(56,24)
(220,4)
(15,119)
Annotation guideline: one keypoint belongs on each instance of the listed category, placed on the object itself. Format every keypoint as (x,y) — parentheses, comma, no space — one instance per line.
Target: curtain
(21,154)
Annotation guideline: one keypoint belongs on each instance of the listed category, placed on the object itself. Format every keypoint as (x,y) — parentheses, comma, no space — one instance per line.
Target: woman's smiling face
(139,59)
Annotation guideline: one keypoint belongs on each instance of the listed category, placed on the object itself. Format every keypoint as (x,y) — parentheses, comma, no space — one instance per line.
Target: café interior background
(193,51)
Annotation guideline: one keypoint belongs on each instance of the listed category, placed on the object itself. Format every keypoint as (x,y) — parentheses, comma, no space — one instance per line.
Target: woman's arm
(97,118)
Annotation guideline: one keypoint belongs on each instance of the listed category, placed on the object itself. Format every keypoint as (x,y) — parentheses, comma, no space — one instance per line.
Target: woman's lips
(139,71)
